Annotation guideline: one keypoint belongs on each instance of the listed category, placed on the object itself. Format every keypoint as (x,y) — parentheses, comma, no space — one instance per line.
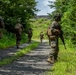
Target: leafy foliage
(66,62)
(14,10)
(68,9)
(40,25)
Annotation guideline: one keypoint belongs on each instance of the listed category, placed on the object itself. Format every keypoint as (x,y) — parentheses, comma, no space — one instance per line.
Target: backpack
(49,32)
(41,35)
(18,28)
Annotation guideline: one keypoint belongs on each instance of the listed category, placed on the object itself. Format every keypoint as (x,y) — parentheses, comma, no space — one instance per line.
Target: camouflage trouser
(49,39)
(18,39)
(29,38)
(41,40)
(54,48)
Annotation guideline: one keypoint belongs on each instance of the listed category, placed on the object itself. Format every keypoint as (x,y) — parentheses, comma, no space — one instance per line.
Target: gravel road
(33,63)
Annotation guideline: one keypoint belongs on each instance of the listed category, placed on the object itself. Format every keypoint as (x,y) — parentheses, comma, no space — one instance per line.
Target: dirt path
(11,51)
(33,63)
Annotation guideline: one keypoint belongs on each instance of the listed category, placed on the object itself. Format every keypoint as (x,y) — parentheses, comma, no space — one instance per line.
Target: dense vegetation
(66,64)
(40,25)
(13,11)
(10,40)
(23,10)
(68,10)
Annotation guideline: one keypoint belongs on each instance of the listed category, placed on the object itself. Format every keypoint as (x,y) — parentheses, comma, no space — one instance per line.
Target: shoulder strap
(49,31)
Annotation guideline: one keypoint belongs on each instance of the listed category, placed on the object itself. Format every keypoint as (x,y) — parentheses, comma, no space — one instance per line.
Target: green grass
(7,41)
(66,64)
(38,26)
(19,54)
(10,40)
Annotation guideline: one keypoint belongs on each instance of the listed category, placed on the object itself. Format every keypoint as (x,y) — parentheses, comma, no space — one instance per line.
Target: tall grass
(38,26)
(10,40)
(66,64)
(7,41)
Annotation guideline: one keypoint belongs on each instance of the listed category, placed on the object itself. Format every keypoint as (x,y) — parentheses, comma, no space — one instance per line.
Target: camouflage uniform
(29,35)
(49,34)
(55,28)
(41,36)
(1,27)
(18,32)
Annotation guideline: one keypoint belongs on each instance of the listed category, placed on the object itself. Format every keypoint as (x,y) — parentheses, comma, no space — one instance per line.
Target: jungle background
(24,10)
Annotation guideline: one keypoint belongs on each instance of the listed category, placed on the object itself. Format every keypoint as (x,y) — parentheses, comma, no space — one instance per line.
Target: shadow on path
(33,63)
(10,51)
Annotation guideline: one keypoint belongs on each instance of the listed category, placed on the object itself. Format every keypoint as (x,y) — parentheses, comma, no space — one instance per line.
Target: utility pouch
(52,37)
(53,44)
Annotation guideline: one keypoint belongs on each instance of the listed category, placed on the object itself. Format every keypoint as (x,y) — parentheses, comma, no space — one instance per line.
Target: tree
(14,10)
(68,9)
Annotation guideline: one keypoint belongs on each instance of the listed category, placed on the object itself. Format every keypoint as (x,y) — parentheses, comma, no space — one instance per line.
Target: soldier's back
(41,35)
(18,27)
(30,33)
(49,32)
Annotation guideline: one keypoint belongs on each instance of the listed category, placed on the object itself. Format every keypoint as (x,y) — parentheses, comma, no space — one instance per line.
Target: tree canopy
(14,10)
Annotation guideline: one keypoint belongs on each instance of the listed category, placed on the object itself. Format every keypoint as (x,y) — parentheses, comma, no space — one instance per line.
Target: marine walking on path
(57,32)
(41,36)
(18,32)
(30,34)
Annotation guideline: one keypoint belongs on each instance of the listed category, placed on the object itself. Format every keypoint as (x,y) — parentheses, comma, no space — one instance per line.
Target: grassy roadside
(10,40)
(19,54)
(66,64)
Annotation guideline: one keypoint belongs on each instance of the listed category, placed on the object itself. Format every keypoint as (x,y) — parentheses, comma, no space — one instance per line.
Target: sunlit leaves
(12,10)
(68,9)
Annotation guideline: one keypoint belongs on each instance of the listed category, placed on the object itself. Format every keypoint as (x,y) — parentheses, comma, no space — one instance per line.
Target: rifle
(60,35)
(62,39)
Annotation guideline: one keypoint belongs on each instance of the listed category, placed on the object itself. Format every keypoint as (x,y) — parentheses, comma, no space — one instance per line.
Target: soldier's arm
(53,28)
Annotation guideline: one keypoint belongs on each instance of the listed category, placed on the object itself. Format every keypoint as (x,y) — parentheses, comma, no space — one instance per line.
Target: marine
(30,34)
(49,33)
(41,36)
(56,30)
(18,32)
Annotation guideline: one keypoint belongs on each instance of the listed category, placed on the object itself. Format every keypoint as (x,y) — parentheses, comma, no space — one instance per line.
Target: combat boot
(50,60)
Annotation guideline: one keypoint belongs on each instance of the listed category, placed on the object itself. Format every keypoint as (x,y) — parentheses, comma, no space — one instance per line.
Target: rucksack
(18,28)
(49,32)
